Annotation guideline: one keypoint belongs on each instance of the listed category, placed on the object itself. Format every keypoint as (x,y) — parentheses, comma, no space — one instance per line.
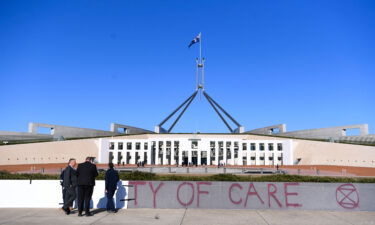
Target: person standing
(70,185)
(111,179)
(87,172)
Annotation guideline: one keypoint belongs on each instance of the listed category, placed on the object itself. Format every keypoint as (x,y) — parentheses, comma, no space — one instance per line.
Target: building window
(252,146)
(161,144)
(120,146)
(252,157)
(261,146)
(270,158)
(244,146)
(145,145)
(137,145)
(111,145)
(261,158)
(194,144)
(129,146)
(212,144)
(279,146)
(270,146)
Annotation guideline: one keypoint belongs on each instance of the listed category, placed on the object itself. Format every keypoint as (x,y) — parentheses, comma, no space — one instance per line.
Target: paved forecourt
(186,217)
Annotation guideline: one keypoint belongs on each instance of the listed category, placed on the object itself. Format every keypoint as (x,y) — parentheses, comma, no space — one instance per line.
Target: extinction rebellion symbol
(347,196)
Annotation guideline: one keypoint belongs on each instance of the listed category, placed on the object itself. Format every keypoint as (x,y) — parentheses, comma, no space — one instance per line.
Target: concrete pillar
(33,128)
(132,153)
(248,153)
(142,151)
(115,156)
(240,155)
(189,155)
(232,153)
(364,129)
(125,155)
(103,154)
(149,152)
(180,153)
(165,153)
(115,153)
(275,154)
(225,152)
(266,153)
(257,162)
(216,153)
(209,156)
(156,152)
(173,162)
(199,156)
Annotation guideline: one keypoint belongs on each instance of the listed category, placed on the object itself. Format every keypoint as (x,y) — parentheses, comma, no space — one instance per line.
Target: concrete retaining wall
(258,195)
(200,194)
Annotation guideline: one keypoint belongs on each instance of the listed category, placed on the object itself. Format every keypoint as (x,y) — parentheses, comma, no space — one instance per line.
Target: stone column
(142,151)
(232,153)
(173,162)
(132,153)
(199,151)
(208,157)
(149,144)
(180,153)
(156,152)
(165,153)
(225,152)
(115,153)
(216,153)
(248,153)
(240,156)
(257,154)
(266,151)
(189,155)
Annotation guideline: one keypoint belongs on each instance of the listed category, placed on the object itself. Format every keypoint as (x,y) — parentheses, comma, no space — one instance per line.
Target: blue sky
(308,64)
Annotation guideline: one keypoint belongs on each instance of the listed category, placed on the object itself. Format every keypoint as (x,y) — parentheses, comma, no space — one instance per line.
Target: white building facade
(204,150)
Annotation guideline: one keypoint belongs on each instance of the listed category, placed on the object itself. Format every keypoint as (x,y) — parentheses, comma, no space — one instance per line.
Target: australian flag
(195,40)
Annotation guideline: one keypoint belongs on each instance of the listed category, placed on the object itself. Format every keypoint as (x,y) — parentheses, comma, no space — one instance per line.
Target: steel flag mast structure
(199,90)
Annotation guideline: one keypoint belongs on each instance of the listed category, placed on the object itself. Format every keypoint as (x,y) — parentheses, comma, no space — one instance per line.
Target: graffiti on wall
(204,194)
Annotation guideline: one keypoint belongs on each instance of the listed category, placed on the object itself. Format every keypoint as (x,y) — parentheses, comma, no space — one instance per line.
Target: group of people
(81,180)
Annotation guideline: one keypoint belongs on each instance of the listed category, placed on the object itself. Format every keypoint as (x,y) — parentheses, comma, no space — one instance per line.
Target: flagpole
(197,74)
(200,47)
(202,61)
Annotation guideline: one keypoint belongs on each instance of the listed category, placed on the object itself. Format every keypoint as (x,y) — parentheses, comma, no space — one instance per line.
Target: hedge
(136,175)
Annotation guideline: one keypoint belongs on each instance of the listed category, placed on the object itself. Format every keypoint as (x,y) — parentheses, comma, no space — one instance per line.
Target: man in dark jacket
(69,184)
(86,181)
(111,179)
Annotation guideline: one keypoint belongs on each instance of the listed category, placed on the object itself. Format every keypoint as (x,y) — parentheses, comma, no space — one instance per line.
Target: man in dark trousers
(70,184)
(111,179)
(86,181)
